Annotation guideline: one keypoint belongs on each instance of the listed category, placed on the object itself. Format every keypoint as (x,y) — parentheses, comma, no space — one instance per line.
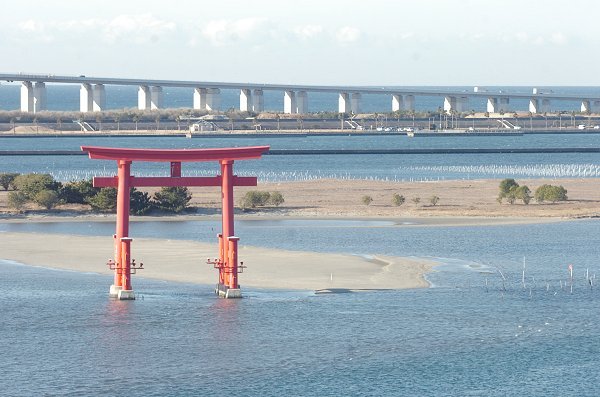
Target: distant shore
(473,200)
(461,203)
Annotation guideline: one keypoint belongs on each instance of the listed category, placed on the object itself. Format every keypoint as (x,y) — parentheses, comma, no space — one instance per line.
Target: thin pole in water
(523,277)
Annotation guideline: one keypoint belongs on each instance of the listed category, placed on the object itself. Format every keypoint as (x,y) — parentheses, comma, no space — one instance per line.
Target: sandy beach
(471,202)
(185,261)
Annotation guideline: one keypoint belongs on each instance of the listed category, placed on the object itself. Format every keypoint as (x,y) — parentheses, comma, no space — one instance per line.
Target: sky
(366,42)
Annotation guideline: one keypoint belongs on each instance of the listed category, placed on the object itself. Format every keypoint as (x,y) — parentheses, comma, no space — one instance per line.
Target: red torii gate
(227,263)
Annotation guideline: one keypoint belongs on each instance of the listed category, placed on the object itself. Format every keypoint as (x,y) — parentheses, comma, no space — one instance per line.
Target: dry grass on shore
(343,198)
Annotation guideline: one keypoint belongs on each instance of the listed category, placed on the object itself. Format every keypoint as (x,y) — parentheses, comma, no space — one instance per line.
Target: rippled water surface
(476,333)
(273,168)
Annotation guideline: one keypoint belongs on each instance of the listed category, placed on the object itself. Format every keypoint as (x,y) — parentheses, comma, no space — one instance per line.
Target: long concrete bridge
(295,97)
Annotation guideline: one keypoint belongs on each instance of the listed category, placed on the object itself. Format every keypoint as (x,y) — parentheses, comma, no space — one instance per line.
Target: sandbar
(185,261)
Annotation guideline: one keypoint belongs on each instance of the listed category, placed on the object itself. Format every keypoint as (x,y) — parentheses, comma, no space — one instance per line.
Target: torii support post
(121,288)
(227,262)
(228,286)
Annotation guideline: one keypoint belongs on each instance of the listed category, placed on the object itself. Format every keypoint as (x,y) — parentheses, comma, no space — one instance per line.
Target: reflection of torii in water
(227,262)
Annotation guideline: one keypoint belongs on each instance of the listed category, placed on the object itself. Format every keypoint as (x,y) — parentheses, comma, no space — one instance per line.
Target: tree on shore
(398,199)
(117,118)
(17,200)
(511,191)
(550,193)
(6,179)
(173,199)
(433,200)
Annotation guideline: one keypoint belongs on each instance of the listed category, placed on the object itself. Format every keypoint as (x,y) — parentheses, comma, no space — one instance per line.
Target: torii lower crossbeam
(227,262)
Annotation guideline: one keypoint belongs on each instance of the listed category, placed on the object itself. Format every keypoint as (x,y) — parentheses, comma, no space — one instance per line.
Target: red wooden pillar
(227,222)
(175,169)
(233,260)
(122,254)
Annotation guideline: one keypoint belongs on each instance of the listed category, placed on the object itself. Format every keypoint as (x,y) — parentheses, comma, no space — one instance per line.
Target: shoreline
(184,261)
(472,199)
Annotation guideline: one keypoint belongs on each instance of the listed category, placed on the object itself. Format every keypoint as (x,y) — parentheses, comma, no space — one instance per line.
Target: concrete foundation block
(228,293)
(114,291)
(126,295)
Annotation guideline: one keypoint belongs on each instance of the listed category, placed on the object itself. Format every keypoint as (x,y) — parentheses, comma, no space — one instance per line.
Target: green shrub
(367,200)
(434,200)
(523,193)
(17,200)
(276,199)
(173,199)
(506,185)
(78,192)
(550,193)
(105,200)
(508,189)
(139,202)
(47,199)
(416,200)
(6,179)
(255,198)
(32,184)
(398,199)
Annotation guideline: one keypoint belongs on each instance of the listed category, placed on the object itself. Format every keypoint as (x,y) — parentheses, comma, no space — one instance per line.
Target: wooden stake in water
(523,277)
(571,276)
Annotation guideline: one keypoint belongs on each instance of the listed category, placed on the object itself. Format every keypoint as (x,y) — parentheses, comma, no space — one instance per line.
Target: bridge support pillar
(99,98)
(144,97)
(588,106)
(289,102)
(213,99)
(449,104)
(301,102)
(26,97)
(397,103)
(156,98)
(462,104)
(86,99)
(546,105)
(258,101)
(533,105)
(355,102)
(344,103)
(409,102)
(200,98)
(492,105)
(245,100)
(503,104)
(39,97)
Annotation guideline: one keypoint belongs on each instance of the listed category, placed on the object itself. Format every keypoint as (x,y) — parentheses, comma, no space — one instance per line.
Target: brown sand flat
(185,261)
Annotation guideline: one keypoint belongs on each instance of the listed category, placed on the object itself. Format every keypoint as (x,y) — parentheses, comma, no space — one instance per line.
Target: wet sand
(185,261)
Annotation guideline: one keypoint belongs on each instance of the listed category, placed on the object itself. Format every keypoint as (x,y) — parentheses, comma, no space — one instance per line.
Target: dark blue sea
(478,331)
(272,168)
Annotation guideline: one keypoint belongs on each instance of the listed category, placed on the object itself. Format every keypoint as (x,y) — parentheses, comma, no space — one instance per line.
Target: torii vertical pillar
(227,262)
(121,288)
(228,273)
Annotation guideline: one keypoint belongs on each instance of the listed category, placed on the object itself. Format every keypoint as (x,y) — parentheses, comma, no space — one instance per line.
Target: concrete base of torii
(228,293)
(119,293)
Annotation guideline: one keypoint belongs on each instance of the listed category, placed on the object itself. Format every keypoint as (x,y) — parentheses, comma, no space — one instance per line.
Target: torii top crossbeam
(227,263)
(183,155)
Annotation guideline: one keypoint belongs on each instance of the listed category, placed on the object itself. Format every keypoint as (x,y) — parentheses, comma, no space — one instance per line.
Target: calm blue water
(61,335)
(293,168)
(66,97)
